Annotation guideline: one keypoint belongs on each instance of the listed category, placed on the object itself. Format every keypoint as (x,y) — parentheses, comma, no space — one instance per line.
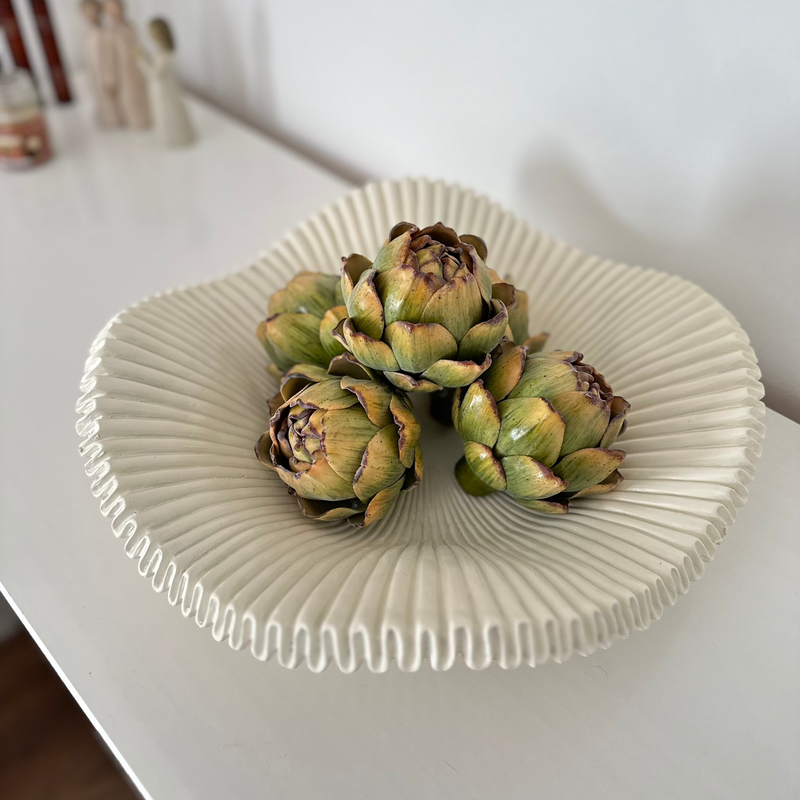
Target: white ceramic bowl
(175,396)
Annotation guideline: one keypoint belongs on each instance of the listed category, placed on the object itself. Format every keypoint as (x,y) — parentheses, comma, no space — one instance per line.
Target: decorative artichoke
(539,427)
(300,320)
(425,313)
(344,444)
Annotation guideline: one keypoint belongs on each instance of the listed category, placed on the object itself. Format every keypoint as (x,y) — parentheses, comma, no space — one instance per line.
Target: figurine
(131,90)
(171,119)
(101,65)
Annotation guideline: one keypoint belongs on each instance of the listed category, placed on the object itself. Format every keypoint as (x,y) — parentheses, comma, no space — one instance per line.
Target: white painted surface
(703,705)
(664,134)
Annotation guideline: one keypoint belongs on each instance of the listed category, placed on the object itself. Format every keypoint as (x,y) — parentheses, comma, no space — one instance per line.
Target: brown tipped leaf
(619,413)
(530,426)
(452,374)
(380,465)
(478,417)
(346,434)
(295,337)
(410,384)
(373,353)
(374,399)
(382,503)
(326,395)
(417,346)
(587,467)
(485,466)
(553,506)
(329,512)
(504,373)
(586,417)
(530,480)
(408,430)
(393,253)
(606,485)
(364,306)
(457,306)
(404,293)
(319,482)
(330,319)
(544,377)
(353,267)
(485,336)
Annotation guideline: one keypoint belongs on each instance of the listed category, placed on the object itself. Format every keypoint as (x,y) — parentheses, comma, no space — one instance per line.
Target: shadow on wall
(238,78)
(724,257)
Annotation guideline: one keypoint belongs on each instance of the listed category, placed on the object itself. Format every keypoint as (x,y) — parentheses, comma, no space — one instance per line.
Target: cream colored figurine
(172,122)
(100,55)
(131,89)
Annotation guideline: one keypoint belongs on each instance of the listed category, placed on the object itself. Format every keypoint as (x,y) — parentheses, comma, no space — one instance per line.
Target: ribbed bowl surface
(174,399)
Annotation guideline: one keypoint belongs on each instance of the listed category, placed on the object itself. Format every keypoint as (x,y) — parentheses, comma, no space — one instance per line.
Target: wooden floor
(48,749)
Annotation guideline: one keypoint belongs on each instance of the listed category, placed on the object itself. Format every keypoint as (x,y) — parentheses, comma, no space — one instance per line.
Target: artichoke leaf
(326,394)
(457,306)
(408,429)
(586,417)
(364,306)
(319,482)
(418,345)
(404,293)
(382,503)
(372,353)
(552,506)
(353,268)
(307,293)
(410,384)
(296,336)
(346,434)
(587,467)
(485,466)
(374,398)
(530,426)
(606,485)
(393,253)
(504,373)
(543,377)
(530,480)
(478,417)
(327,511)
(485,336)
(380,464)
(330,319)
(619,413)
(453,374)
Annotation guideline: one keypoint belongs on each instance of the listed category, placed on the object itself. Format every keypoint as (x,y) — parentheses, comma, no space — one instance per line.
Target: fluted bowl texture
(174,398)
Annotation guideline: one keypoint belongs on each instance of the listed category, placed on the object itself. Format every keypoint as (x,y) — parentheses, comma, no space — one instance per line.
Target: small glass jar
(23,133)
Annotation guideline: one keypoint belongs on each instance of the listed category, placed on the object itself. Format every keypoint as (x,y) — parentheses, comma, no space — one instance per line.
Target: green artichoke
(425,313)
(343,443)
(300,320)
(539,427)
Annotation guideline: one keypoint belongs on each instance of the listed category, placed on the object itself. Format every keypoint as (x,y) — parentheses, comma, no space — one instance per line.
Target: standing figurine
(100,54)
(130,83)
(171,119)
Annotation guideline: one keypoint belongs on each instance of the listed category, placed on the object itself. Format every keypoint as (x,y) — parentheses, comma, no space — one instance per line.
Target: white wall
(662,133)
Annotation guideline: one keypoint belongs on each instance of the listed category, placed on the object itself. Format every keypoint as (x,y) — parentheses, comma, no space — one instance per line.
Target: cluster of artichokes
(427,315)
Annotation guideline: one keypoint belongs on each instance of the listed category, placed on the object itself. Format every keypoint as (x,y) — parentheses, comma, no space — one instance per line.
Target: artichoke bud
(424,312)
(300,322)
(540,427)
(345,444)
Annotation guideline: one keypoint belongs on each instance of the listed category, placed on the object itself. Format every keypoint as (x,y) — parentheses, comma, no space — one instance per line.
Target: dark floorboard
(48,748)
